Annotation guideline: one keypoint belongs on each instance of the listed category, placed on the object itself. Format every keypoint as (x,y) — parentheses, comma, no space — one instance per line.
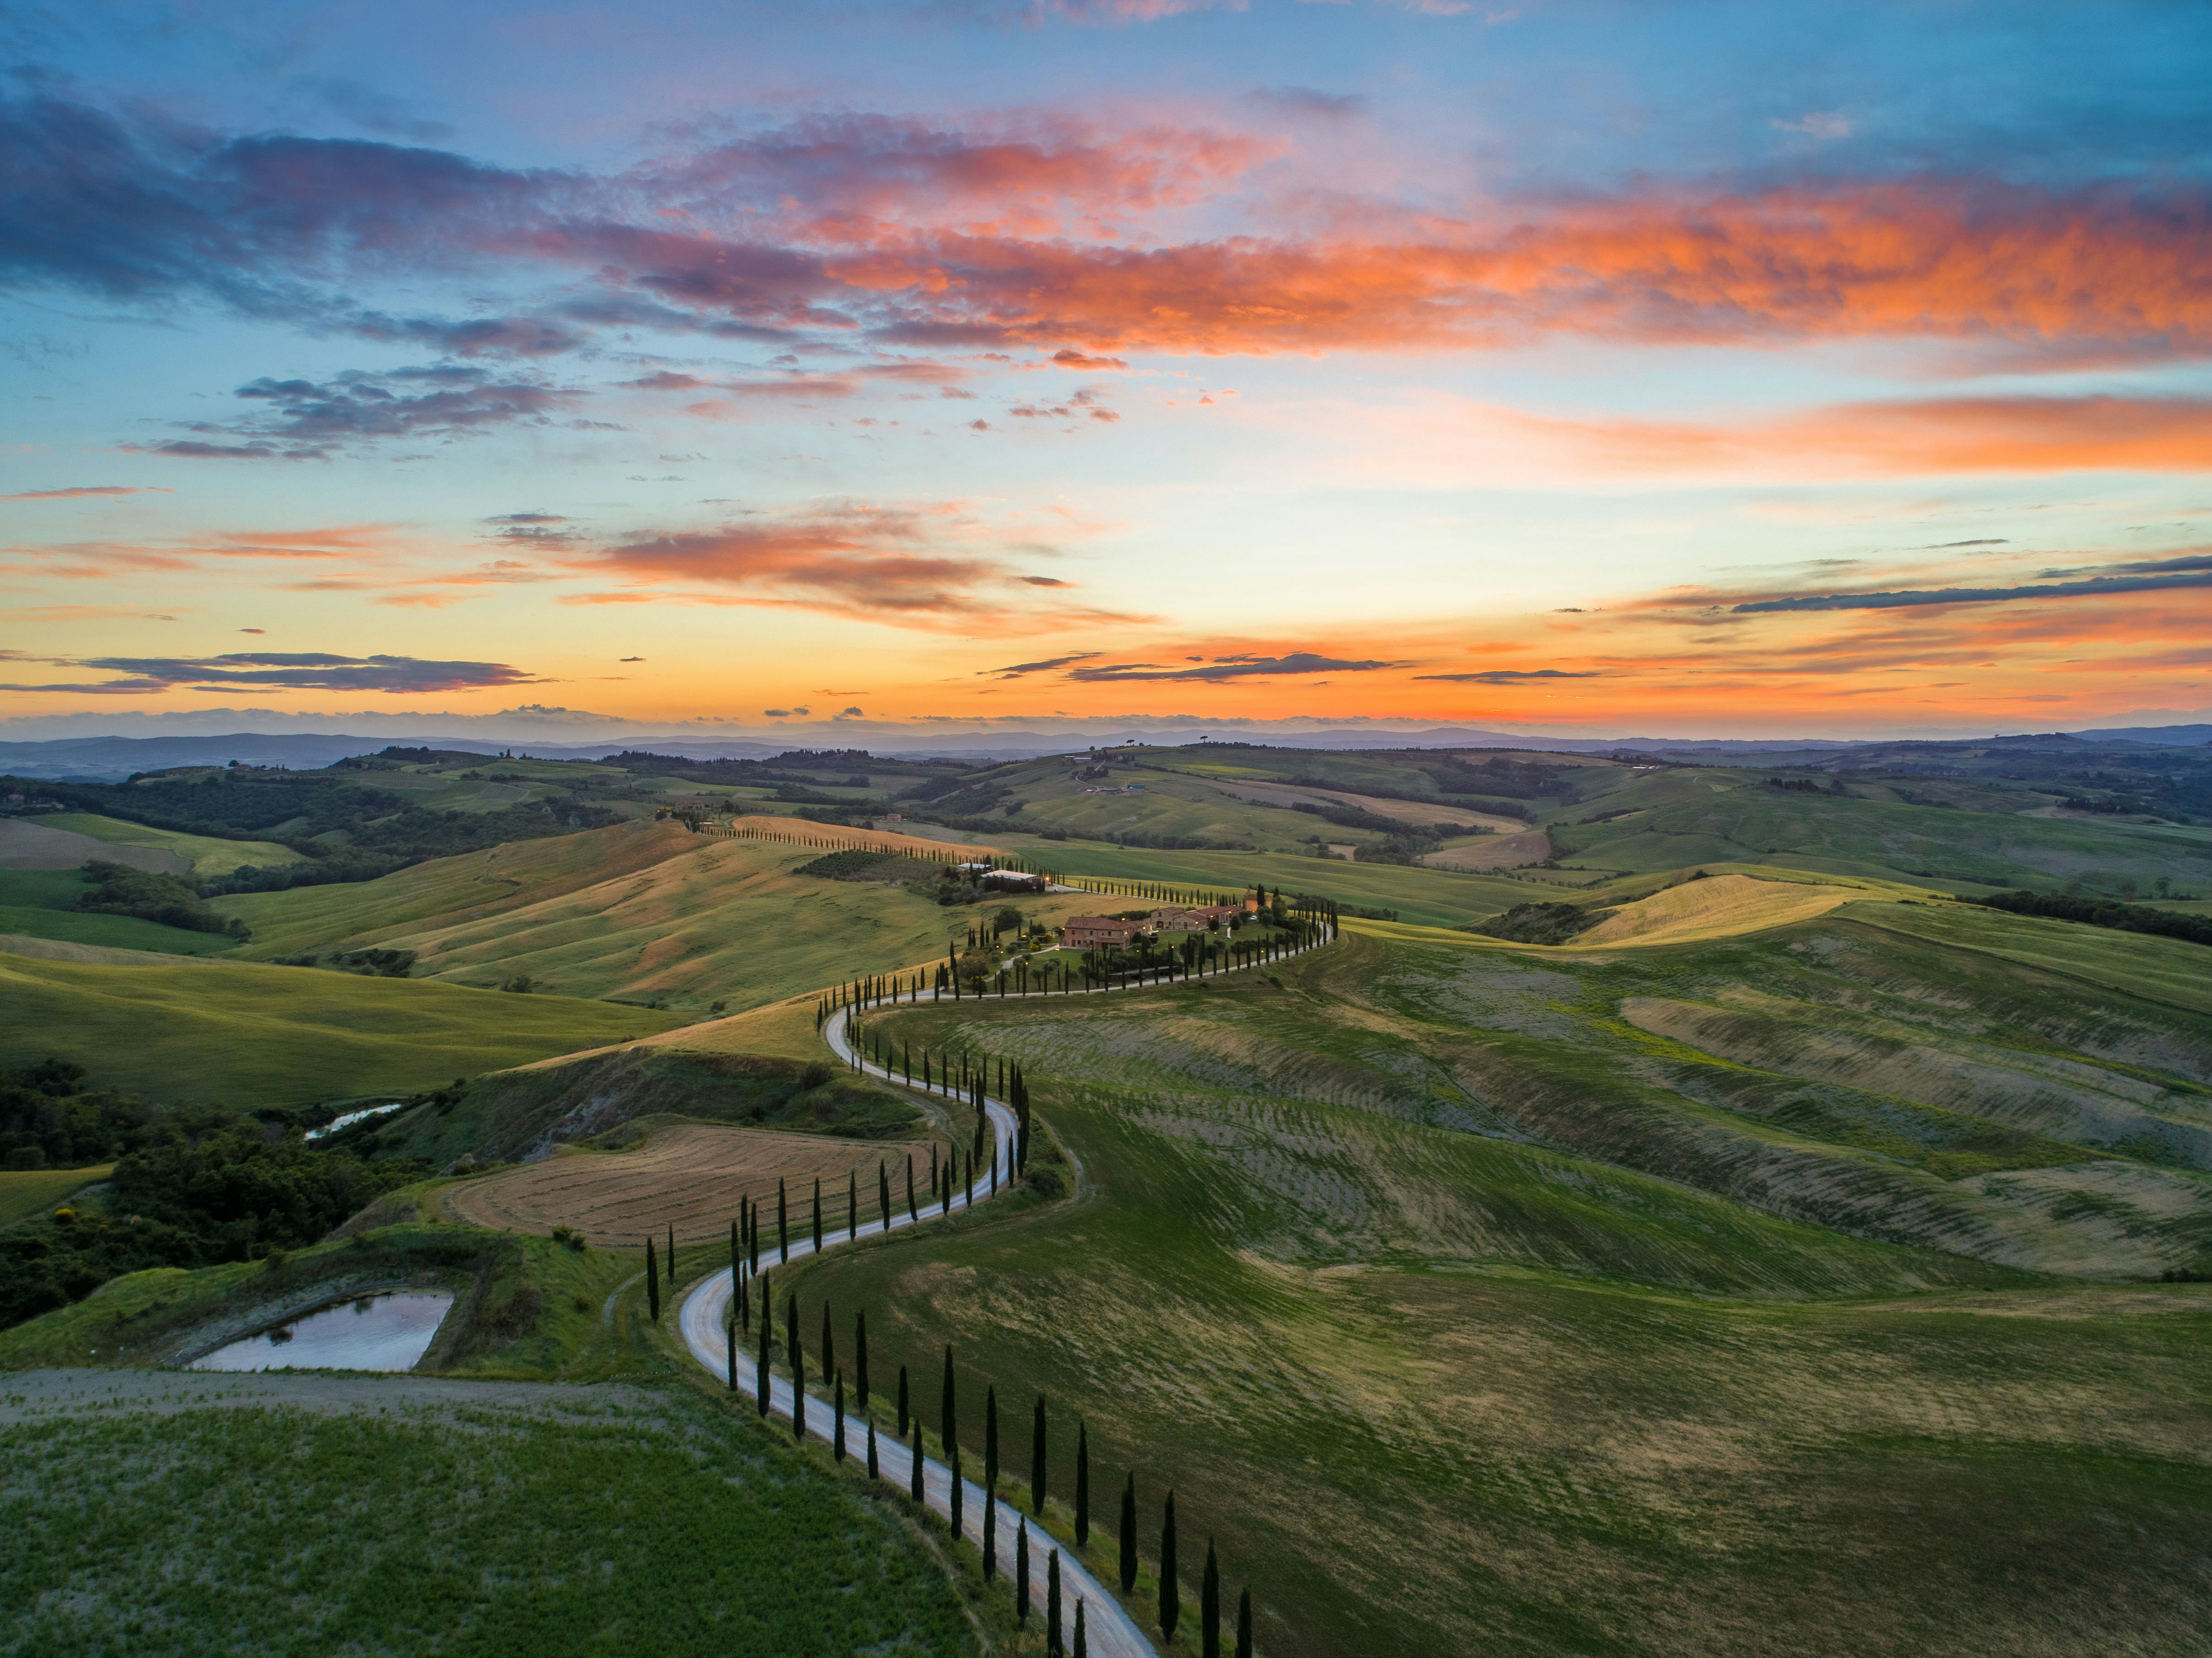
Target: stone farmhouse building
(1099,932)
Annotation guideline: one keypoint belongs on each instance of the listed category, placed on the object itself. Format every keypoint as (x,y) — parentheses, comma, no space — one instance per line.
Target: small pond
(389,1331)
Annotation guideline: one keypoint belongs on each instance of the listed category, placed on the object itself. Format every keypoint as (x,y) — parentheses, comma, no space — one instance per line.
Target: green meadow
(37,903)
(202,854)
(642,912)
(247,1035)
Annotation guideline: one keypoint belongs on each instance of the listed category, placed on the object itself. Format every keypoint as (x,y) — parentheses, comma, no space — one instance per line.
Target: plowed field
(688,1176)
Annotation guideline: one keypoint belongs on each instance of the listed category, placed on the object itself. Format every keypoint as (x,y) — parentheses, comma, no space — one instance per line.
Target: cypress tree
(991,1439)
(818,1214)
(1209,1606)
(797,1355)
(730,1338)
(1244,1624)
(828,1350)
(735,1260)
(651,1282)
(948,1419)
(752,1239)
(1082,1648)
(874,1472)
(860,1358)
(1170,1598)
(916,1492)
(760,1373)
(671,1257)
(839,1451)
(1036,1461)
(1022,1574)
(782,1224)
(901,1402)
(954,1506)
(1129,1535)
(990,1532)
(1052,1643)
(883,1193)
(852,1205)
(1082,1485)
(912,1214)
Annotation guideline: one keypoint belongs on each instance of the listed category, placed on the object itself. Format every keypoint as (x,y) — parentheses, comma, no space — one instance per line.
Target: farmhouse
(1099,932)
(1012,880)
(1179,918)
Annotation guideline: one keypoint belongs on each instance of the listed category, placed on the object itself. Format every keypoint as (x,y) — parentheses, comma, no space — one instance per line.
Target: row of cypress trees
(1307,920)
(948,1429)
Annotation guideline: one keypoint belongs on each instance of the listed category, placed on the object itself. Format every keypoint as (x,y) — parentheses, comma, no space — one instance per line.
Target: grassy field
(205,855)
(634,1522)
(36,903)
(1440,1390)
(1720,907)
(1685,818)
(1438,897)
(247,1035)
(27,1192)
(645,912)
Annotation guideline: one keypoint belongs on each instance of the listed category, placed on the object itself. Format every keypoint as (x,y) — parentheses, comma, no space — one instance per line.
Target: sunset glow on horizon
(1595,369)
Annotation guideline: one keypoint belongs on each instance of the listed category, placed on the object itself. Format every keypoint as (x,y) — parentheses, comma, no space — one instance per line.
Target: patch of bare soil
(688,1175)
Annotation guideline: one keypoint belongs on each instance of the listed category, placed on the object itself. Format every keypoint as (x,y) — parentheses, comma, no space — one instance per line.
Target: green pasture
(1711,817)
(1438,897)
(470,884)
(243,1034)
(1171,806)
(205,855)
(642,912)
(386,1516)
(2166,971)
(38,903)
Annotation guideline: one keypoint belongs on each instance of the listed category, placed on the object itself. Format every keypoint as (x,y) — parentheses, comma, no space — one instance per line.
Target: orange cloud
(1904,438)
(915,567)
(1934,259)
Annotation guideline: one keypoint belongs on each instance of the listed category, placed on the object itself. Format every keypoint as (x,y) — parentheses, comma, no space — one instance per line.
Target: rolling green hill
(1691,818)
(1607,818)
(641,911)
(203,854)
(1638,1299)
(38,903)
(243,1035)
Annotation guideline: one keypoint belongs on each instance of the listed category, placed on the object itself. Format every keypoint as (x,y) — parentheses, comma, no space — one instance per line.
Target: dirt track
(690,1176)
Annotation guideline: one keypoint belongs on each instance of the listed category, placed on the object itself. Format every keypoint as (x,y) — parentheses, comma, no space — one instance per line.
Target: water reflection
(385,1332)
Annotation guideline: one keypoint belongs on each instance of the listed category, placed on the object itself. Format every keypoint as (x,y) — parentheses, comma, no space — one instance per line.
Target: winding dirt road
(1110,1631)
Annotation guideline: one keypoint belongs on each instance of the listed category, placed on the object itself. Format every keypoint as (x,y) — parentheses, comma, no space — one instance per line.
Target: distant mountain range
(109,759)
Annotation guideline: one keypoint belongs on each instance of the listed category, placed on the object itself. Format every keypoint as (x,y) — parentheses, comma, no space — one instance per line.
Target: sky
(1660,369)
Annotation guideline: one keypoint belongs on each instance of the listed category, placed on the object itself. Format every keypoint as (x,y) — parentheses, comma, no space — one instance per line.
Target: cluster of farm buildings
(1113,932)
(1109,933)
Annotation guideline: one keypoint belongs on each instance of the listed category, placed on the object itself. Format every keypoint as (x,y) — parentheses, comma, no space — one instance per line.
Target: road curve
(1109,1629)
